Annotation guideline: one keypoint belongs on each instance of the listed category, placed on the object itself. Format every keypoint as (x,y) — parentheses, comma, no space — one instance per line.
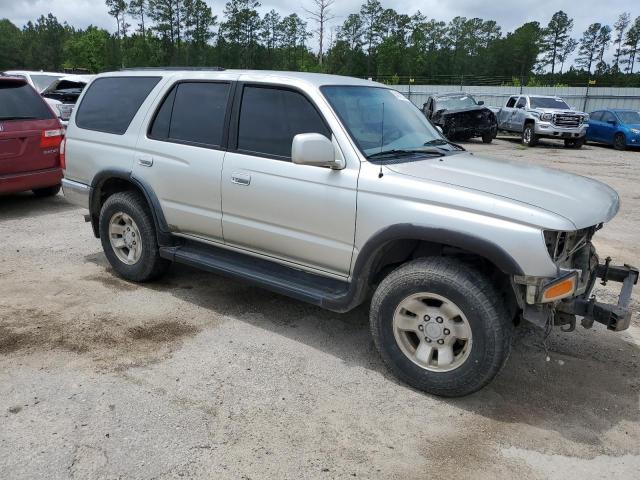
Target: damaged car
(461,117)
(63,93)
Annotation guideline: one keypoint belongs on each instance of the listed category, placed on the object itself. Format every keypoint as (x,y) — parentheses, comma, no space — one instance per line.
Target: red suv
(30,137)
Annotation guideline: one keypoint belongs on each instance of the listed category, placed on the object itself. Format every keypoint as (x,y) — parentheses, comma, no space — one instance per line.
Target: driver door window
(295,213)
(521,103)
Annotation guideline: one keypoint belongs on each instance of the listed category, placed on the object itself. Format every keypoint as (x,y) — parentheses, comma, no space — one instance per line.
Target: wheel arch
(396,244)
(107,182)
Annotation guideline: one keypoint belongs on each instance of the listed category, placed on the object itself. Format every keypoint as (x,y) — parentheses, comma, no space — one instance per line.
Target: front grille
(568,121)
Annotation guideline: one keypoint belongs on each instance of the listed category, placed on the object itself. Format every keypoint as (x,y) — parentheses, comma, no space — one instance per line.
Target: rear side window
(512,102)
(193,112)
(271,117)
(596,116)
(20,101)
(111,103)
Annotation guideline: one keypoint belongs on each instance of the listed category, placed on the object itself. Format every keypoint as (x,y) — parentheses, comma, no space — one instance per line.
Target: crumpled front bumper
(616,317)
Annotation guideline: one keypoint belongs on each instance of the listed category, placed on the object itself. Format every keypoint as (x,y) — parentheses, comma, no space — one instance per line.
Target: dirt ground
(198,376)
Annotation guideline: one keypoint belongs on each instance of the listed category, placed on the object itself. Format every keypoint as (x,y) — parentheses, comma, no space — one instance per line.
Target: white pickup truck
(539,116)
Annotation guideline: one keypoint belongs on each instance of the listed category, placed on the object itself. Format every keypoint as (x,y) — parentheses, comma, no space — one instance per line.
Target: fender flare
(99,180)
(374,247)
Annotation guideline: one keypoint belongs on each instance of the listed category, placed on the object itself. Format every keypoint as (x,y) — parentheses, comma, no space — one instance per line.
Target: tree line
(373,42)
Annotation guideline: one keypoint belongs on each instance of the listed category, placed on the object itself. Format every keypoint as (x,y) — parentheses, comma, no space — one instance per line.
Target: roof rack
(196,69)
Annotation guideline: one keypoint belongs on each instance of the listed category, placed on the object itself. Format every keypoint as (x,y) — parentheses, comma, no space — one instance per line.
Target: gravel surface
(199,376)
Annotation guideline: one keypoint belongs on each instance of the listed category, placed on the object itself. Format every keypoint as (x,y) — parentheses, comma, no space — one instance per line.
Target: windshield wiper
(439,141)
(402,152)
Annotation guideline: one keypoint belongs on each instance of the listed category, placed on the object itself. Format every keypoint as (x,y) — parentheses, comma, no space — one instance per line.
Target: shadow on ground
(588,384)
(26,204)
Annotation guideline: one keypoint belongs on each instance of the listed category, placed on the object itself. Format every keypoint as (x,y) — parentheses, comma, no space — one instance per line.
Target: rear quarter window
(110,103)
(20,101)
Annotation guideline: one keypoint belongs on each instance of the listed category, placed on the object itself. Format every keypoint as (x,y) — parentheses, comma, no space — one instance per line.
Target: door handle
(145,161)
(241,179)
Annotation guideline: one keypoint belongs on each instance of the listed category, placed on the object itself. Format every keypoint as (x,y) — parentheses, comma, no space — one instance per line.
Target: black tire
(619,142)
(574,142)
(150,265)
(47,191)
(487,137)
(529,137)
(475,296)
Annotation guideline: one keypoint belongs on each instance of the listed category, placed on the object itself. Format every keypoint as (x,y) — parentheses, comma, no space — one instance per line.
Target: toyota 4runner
(330,189)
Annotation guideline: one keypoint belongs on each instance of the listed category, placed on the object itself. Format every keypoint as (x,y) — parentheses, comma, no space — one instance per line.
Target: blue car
(617,127)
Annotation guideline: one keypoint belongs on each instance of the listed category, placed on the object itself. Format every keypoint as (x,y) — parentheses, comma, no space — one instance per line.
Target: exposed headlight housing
(585,118)
(547,117)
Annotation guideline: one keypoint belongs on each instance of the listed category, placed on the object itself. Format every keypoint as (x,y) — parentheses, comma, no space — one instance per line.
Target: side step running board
(298,284)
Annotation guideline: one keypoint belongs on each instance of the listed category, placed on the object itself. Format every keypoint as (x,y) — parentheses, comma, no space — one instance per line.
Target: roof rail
(197,69)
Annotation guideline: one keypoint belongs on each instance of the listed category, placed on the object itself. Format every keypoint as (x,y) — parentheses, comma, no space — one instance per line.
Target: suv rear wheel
(128,237)
(440,326)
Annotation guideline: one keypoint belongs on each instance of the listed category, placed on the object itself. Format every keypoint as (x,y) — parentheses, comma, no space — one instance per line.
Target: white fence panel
(580,98)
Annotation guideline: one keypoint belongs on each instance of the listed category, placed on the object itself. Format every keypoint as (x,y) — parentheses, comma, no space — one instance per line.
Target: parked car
(303,184)
(460,116)
(617,127)
(63,94)
(38,80)
(30,136)
(540,116)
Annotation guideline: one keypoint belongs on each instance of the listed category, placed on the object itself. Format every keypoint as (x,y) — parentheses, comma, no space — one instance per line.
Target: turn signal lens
(559,289)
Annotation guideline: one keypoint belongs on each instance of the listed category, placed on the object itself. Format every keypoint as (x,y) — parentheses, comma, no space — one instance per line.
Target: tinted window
(270,118)
(608,117)
(596,116)
(521,103)
(544,102)
(193,112)
(111,103)
(512,102)
(20,101)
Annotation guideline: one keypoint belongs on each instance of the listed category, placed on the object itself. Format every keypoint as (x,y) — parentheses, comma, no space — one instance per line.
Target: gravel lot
(202,377)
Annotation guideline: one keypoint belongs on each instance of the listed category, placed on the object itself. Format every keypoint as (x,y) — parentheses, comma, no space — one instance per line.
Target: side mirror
(314,149)
(439,128)
(481,102)
(612,122)
(520,106)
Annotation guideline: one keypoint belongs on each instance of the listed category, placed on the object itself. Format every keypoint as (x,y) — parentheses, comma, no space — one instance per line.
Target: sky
(508,13)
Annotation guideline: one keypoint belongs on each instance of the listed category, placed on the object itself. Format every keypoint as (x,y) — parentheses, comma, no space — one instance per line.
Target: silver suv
(331,189)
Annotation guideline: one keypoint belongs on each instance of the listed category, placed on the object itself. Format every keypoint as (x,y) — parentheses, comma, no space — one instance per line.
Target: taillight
(63,146)
(51,138)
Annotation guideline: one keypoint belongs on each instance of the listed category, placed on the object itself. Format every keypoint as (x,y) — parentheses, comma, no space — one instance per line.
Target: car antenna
(380,175)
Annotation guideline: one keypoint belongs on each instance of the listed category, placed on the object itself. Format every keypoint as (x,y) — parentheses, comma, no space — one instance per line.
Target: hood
(633,125)
(581,200)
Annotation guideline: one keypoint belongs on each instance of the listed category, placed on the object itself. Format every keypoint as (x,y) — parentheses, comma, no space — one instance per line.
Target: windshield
(380,119)
(43,81)
(455,103)
(544,102)
(631,118)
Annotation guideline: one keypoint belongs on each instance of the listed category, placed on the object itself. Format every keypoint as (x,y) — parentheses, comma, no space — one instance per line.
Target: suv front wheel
(441,326)
(128,237)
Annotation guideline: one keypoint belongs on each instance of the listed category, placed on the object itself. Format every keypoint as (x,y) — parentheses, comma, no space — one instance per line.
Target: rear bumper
(76,193)
(616,317)
(22,182)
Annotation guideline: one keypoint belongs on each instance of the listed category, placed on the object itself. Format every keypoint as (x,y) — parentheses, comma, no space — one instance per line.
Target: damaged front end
(559,300)
(467,123)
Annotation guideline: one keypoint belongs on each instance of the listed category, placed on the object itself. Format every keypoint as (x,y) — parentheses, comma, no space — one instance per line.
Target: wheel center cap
(433,331)
(128,238)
